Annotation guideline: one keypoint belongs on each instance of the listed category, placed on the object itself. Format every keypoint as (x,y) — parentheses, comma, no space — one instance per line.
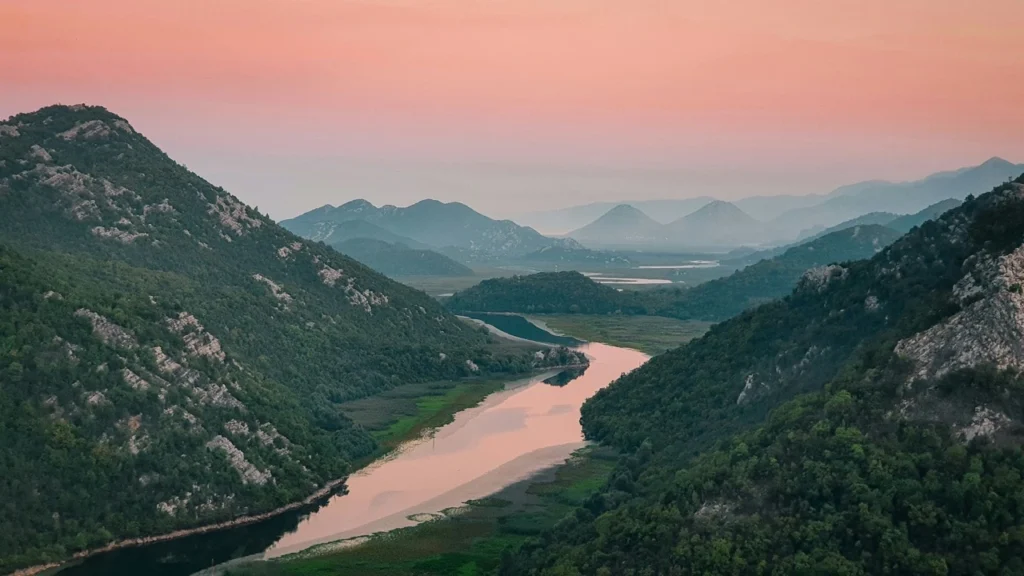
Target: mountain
(899,197)
(717,225)
(545,293)
(715,300)
(901,224)
(623,225)
(170,357)
(905,223)
(456,229)
(563,220)
(868,423)
(400,260)
(872,218)
(773,278)
(332,233)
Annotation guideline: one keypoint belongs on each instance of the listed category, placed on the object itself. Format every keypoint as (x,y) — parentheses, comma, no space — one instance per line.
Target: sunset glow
(728,85)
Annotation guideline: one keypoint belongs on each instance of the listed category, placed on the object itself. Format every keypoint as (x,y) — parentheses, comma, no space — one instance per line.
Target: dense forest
(169,355)
(769,279)
(400,260)
(869,423)
(547,293)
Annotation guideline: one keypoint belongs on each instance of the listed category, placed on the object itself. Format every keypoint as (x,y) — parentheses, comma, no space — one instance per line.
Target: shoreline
(323,492)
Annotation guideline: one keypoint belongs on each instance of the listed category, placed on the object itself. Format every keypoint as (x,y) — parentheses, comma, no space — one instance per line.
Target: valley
(267,395)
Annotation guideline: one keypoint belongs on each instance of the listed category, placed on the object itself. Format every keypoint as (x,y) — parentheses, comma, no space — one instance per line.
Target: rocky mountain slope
(170,356)
(456,229)
(868,423)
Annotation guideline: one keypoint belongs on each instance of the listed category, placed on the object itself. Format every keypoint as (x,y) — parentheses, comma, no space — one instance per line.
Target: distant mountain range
(715,226)
(768,279)
(900,197)
(452,228)
(794,214)
(894,222)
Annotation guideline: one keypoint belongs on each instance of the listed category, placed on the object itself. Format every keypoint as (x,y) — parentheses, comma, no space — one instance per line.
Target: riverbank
(649,334)
(468,541)
(324,492)
(394,417)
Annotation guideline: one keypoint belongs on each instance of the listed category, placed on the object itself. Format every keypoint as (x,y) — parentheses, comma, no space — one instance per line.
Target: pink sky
(801,95)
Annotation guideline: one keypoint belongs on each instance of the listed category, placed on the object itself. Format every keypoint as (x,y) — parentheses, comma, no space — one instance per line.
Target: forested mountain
(457,229)
(773,278)
(895,222)
(899,197)
(170,356)
(400,260)
(623,225)
(872,218)
(769,279)
(869,423)
(904,224)
(545,293)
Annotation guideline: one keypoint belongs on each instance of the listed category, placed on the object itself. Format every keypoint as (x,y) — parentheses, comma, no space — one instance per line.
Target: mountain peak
(623,224)
(997,162)
(357,203)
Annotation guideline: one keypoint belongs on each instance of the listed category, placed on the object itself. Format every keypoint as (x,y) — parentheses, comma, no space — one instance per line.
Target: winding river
(525,428)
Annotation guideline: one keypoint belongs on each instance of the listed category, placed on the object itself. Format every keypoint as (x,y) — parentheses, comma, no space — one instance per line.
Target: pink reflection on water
(511,435)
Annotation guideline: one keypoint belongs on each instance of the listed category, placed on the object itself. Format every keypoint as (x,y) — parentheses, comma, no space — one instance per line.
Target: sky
(519,105)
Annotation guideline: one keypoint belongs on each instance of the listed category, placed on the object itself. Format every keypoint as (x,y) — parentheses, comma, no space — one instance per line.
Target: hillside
(171,356)
(545,293)
(623,225)
(716,300)
(868,423)
(899,197)
(774,278)
(400,260)
(904,224)
(454,228)
(333,233)
(717,225)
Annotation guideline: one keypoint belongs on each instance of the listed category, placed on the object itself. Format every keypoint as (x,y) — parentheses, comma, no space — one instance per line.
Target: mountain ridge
(877,390)
(171,356)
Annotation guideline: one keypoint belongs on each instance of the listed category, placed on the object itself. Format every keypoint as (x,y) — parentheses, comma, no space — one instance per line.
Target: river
(527,427)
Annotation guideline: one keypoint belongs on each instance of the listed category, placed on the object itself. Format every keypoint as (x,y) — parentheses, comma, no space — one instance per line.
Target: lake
(527,427)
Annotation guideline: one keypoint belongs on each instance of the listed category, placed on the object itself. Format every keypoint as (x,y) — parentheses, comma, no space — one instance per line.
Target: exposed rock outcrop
(989,330)
(276,289)
(111,334)
(249,473)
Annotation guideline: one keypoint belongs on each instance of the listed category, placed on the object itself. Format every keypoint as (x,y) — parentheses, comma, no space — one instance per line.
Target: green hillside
(171,356)
(869,423)
(399,260)
(571,292)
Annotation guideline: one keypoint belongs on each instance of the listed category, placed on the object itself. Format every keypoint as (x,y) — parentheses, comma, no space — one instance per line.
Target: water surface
(515,433)
(512,435)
